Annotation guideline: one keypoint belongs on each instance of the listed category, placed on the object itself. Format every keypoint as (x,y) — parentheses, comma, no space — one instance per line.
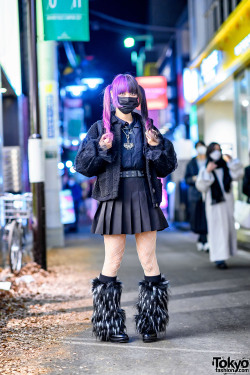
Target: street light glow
(60,165)
(69,164)
(82,136)
(76,90)
(245,103)
(129,42)
(93,82)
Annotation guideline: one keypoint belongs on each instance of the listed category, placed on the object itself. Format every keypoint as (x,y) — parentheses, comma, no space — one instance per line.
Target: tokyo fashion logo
(228,365)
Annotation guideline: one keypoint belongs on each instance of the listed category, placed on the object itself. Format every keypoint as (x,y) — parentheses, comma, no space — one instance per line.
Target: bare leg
(114,250)
(146,248)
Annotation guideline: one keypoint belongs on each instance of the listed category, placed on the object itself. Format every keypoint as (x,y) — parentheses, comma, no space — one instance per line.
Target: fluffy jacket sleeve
(163,157)
(236,169)
(204,180)
(91,158)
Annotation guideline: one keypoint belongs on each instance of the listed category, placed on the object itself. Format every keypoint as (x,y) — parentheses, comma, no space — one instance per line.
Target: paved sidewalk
(209,314)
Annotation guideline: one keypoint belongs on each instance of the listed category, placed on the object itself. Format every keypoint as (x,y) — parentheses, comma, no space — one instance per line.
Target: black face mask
(127,103)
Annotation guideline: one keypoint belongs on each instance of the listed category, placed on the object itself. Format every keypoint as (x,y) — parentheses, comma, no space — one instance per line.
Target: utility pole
(35,146)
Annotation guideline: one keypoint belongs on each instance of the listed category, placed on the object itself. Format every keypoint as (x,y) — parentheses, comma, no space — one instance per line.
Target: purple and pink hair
(124,83)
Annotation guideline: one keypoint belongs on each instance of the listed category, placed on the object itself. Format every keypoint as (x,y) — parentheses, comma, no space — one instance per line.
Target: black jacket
(192,170)
(196,207)
(106,165)
(246,182)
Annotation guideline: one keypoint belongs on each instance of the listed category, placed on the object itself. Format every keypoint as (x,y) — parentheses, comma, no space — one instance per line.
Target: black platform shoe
(108,318)
(152,307)
(121,338)
(149,337)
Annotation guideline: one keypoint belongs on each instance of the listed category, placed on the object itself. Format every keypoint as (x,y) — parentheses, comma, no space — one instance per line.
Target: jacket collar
(115,120)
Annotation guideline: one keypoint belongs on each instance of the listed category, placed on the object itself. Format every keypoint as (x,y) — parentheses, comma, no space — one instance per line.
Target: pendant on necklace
(128,145)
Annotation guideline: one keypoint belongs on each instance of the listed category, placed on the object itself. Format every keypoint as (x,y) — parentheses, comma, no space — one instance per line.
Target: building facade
(217,81)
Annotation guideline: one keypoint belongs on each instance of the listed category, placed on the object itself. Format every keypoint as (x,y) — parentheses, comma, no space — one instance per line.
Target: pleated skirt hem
(131,212)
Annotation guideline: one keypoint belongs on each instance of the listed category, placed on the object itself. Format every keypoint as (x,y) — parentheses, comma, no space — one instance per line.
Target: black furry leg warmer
(152,306)
(108,318)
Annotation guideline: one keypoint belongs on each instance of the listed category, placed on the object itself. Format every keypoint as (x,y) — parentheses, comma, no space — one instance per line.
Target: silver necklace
(128,145)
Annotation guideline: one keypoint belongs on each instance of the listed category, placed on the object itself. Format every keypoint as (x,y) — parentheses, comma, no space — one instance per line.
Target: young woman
(196,204)
(215,179)
(127,154)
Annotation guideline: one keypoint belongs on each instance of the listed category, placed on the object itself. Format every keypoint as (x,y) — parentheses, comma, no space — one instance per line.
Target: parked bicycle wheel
(15,246)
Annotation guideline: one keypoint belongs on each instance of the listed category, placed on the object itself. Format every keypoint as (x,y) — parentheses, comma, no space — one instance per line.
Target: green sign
(66,20)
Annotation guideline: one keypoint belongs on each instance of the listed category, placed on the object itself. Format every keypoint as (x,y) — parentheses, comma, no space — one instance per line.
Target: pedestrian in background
(127,154)
(215,179)
(197,213)
(246,183)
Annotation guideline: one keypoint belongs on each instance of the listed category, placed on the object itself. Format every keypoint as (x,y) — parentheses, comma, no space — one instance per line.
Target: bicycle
(16,223)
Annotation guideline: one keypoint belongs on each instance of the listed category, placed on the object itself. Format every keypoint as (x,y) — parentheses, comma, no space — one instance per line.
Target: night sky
(106,45)
(105,54)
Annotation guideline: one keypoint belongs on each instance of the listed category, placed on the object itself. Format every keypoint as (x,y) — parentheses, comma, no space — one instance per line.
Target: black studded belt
(132,173)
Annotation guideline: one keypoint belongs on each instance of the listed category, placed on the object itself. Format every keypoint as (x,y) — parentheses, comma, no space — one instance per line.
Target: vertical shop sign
(50,116)
(48,92)
(66,20)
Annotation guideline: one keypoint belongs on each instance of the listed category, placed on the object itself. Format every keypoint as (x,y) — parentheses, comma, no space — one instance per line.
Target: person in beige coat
(215,182)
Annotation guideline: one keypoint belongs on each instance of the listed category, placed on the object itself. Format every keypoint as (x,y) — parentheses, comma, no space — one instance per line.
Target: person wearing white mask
(196,204)
(215,181)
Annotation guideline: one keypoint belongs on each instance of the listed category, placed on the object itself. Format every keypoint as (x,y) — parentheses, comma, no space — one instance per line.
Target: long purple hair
(124,83)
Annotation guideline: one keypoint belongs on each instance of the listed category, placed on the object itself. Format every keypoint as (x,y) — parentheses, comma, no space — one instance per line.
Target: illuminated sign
(67,207)
(190,84)
(242,46)
(193,124)
(226,53)
(156,91)
(210,65)
(66,20)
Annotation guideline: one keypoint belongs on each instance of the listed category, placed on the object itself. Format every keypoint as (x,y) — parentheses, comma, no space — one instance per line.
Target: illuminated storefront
(217,84)
(12,175)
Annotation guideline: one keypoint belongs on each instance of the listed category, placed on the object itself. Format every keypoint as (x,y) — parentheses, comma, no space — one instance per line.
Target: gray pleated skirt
(131,212)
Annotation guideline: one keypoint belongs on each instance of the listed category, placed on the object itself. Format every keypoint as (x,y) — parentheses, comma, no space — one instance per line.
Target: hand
(106,141)
(152,137)
(194,178)
(211,166)
(227,158)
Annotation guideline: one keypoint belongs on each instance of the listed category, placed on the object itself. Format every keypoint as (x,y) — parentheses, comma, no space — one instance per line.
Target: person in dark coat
(197,213)
(246,183)
(128,155)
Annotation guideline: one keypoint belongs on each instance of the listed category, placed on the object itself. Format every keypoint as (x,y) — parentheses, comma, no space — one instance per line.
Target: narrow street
(209,313)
